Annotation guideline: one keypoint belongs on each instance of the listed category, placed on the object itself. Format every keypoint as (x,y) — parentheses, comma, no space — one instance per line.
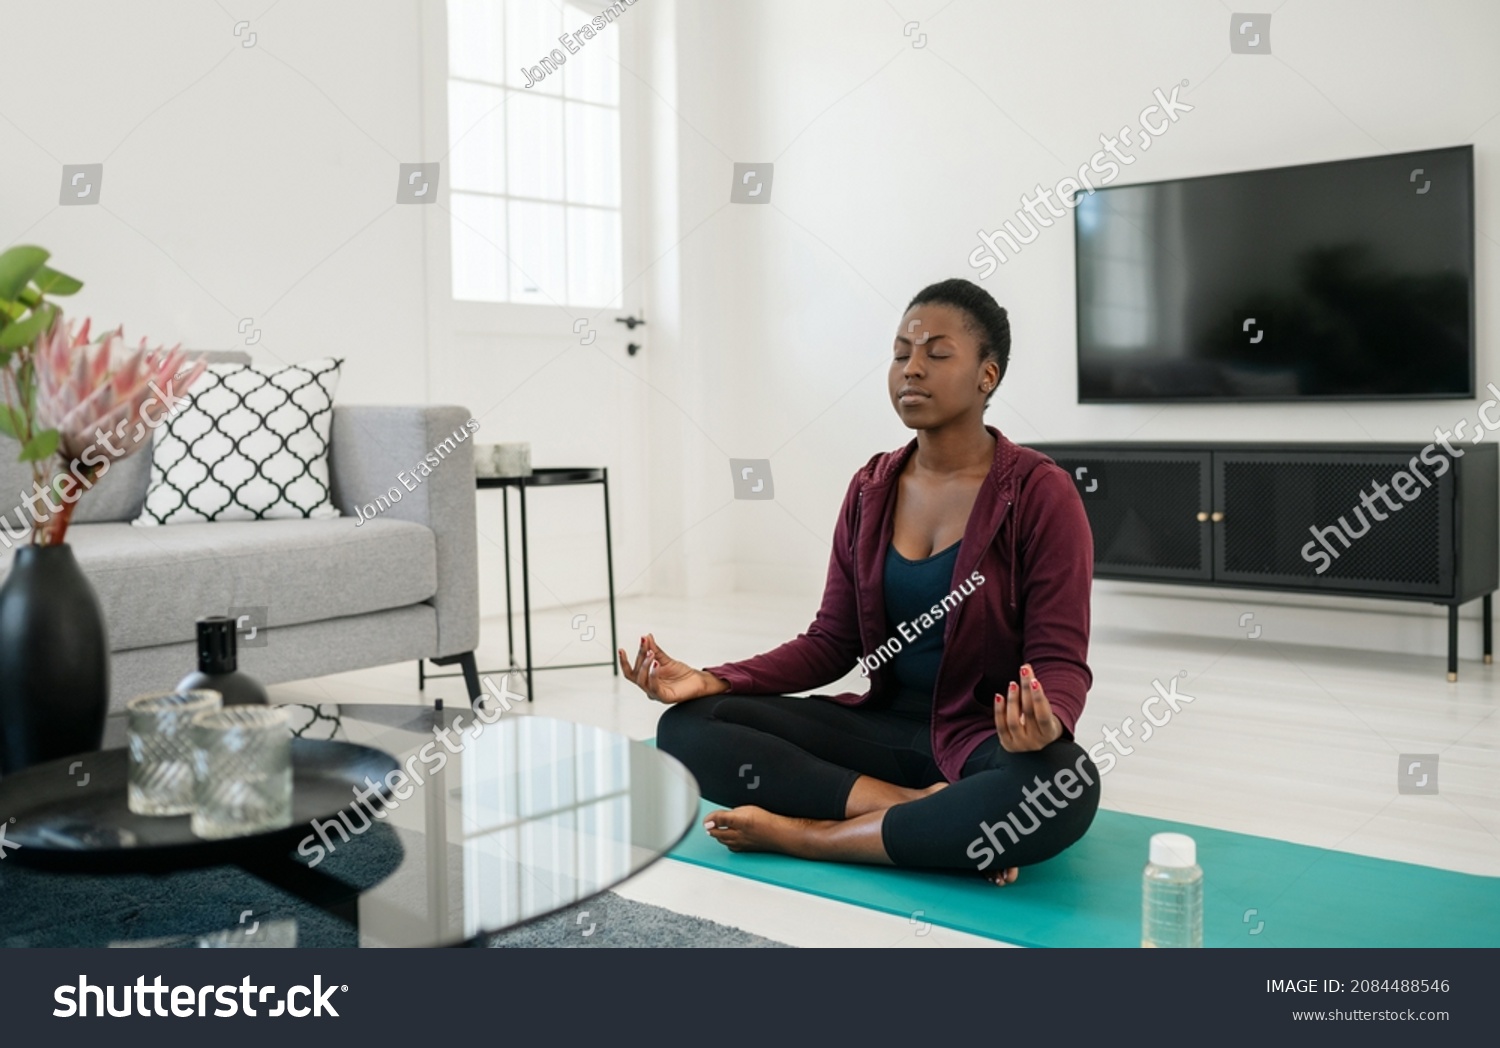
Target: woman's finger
(1001,726)
(629,668)
(1013,711)
(654,650)
(1042,710)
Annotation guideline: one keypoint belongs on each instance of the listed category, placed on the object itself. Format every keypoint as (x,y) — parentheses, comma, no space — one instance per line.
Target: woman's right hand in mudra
(665,679)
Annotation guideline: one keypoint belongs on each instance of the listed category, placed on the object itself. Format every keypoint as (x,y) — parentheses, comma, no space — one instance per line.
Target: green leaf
(10,421)
(41,446)
(50,282)
(17,267)
(14,336)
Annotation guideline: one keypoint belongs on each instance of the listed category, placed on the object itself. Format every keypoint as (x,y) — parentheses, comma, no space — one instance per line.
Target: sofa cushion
(155,583)
(249,444)
(119,494)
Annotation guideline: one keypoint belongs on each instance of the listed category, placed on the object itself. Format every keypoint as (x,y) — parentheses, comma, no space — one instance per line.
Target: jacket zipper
(859,618)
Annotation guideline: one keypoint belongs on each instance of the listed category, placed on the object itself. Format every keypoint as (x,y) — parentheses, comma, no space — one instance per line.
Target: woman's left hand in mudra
(1023,716)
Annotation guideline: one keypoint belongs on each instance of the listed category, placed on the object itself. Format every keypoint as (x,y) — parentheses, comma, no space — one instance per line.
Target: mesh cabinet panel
(1271,504)
(1142,512)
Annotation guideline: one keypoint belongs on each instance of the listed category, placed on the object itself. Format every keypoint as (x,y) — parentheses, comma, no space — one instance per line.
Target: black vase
(54,660)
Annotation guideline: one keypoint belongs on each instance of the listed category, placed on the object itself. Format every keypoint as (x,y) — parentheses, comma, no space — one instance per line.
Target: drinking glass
(242,759)
(161,779)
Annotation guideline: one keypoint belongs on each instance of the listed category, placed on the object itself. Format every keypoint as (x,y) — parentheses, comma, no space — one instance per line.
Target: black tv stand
(1245,515)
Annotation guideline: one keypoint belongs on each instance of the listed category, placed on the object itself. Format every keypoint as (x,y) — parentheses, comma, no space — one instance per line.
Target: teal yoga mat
(1257,891)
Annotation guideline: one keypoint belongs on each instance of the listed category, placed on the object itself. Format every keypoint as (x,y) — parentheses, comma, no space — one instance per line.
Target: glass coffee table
(527,817)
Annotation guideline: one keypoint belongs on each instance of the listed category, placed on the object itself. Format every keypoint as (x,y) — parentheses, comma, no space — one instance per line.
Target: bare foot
(1004,877)
(751,828)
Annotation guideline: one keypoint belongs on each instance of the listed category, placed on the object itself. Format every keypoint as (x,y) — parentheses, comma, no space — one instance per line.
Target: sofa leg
(471,677)
(470,671)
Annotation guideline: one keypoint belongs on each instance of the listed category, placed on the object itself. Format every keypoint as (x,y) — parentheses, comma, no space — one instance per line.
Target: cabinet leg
(1452,642)
(1488,632)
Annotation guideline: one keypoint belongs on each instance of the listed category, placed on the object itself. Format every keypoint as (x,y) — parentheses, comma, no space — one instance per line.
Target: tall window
(534,171)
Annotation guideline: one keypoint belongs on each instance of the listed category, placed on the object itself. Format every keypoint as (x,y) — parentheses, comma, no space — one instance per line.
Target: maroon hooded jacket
(1027,538)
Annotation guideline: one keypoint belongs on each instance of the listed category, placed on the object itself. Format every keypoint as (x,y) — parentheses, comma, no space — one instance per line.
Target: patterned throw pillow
(249,444)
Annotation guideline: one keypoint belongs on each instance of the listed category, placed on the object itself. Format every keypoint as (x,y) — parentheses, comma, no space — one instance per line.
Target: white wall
(238,181)
(889,157)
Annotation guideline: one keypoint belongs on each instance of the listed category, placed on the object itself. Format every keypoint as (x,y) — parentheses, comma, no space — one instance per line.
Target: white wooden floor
(1296,742)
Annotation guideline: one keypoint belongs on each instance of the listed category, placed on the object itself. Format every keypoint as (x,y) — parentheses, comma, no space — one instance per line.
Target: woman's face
(935,372)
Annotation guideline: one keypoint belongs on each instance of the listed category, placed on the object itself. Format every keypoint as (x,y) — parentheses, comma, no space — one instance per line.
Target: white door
(531,258)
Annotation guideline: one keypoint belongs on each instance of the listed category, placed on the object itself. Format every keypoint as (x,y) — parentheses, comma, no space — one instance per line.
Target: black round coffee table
(487,831)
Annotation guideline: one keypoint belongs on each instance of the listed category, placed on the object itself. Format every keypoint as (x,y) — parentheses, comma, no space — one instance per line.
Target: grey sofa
(402,586)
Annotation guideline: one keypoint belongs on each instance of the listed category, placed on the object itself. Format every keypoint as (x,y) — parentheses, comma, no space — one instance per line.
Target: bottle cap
(1173,849)
(217,651)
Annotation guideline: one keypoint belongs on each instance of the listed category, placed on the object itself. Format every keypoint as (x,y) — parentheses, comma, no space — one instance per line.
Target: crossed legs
(812,778)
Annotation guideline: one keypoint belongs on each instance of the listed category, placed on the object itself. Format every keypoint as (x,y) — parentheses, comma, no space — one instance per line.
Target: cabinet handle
(1202,516)
(1217,516)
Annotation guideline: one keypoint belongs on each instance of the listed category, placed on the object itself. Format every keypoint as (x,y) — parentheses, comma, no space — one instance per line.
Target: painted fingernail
(1025,671)
(1035,686)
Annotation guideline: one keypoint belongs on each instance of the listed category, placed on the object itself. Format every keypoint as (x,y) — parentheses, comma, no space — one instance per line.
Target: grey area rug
(612,921)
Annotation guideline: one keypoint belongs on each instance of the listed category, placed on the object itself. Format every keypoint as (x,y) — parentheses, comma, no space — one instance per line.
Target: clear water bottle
(1172,893)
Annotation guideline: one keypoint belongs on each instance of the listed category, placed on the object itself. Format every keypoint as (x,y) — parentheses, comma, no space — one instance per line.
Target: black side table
(550,477)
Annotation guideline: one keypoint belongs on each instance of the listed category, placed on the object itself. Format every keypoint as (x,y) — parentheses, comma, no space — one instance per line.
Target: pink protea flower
(103,400)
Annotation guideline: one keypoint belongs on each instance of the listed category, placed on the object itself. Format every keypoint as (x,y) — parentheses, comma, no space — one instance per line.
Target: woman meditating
(959,584)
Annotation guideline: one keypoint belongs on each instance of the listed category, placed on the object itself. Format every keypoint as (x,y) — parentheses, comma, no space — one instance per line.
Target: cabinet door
(1298,520)
(1143,509)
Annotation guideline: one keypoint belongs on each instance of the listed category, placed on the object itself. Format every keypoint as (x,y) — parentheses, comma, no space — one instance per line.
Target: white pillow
(247,444)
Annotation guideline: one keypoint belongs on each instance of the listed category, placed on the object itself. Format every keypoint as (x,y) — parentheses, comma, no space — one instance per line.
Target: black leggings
(800,756)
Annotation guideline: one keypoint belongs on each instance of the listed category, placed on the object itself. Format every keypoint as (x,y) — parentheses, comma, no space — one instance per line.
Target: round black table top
(546,476)
(497,822)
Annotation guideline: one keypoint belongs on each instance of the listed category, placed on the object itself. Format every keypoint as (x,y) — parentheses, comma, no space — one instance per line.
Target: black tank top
(912,587)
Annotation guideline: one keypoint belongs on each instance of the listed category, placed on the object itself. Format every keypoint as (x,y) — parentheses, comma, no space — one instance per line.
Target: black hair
(984,318)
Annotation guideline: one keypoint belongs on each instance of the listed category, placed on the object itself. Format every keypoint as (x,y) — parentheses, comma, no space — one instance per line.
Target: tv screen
(1345,280)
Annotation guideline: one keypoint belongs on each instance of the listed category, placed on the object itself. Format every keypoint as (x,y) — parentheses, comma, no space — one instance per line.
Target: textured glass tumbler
(161,779)
(242,758)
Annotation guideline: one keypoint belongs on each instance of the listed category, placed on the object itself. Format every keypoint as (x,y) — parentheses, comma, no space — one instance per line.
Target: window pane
(535,145)
(532,29)
(478,234)
(593,257)
(474,40)
(593,155)
(537,238)
(476,137)
(594,73)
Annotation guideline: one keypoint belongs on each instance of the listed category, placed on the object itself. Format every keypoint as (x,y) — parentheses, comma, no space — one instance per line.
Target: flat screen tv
(1348,280)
